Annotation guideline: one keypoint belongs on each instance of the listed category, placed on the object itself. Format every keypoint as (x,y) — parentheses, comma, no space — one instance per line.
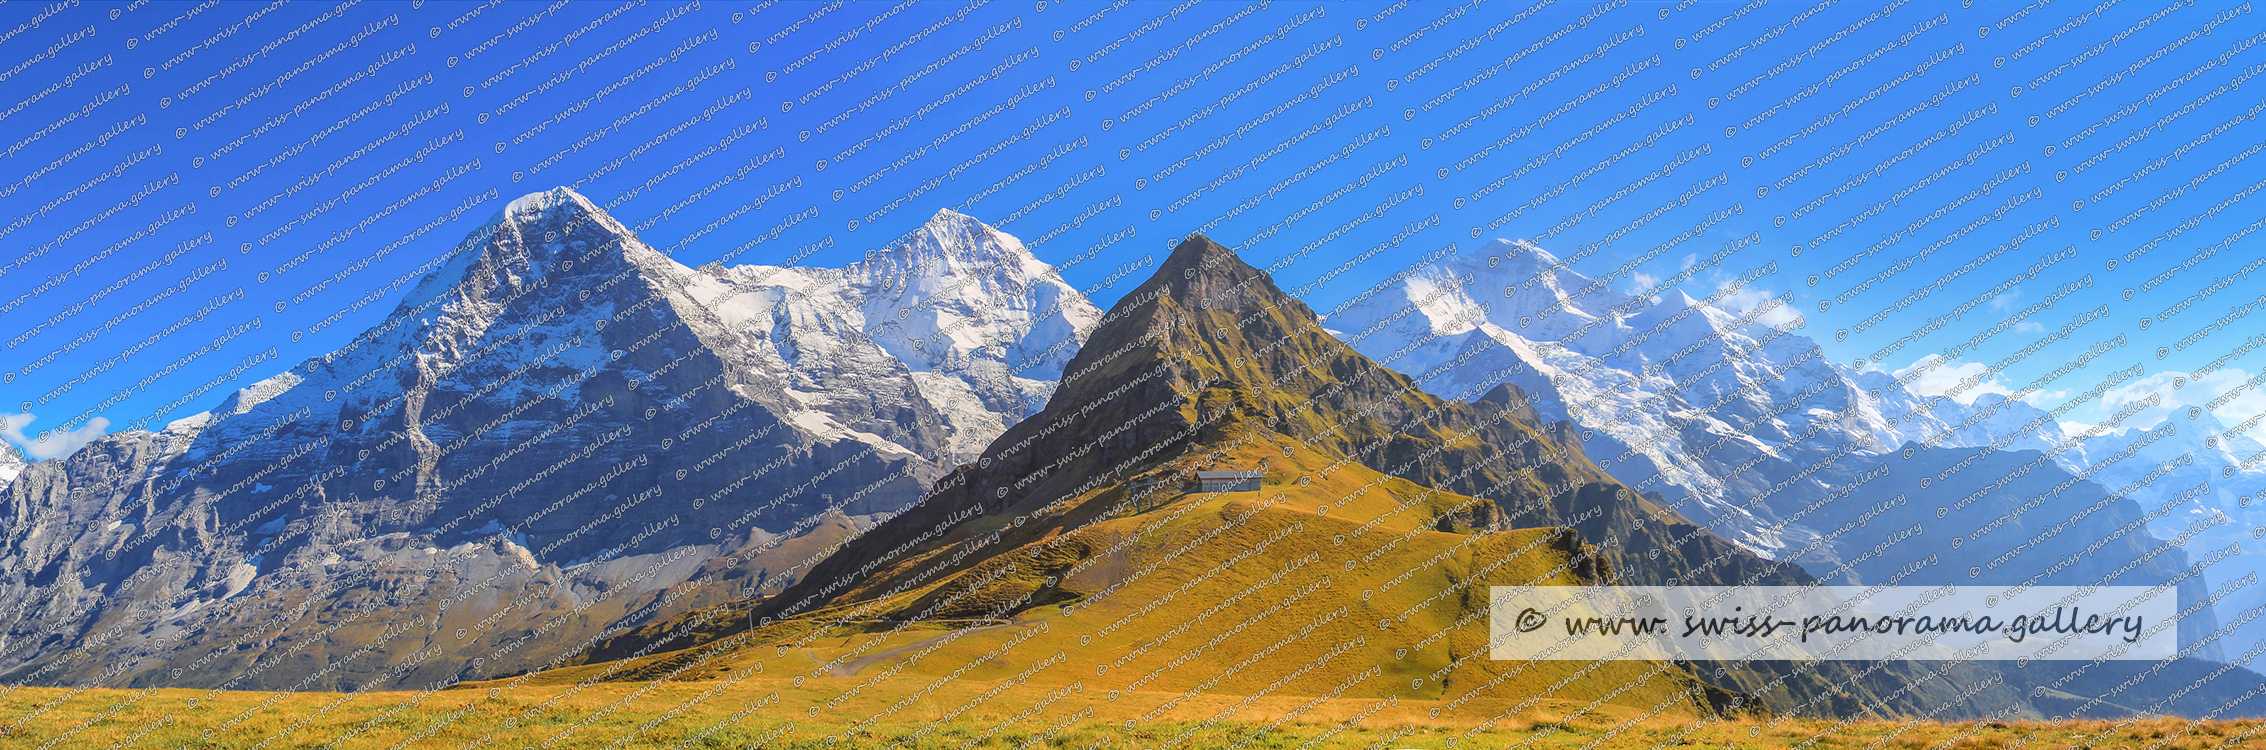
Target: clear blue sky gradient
(710,127)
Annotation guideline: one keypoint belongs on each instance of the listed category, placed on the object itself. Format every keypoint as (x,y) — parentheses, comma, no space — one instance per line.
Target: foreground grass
(771,713)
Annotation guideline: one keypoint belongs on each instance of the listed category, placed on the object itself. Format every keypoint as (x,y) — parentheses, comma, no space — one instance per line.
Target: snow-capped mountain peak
(979,323)
(1687,394)
(1738,419)
(960,237)
(547,406)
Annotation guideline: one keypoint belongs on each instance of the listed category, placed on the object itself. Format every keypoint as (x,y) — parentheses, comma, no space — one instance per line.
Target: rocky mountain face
(1723,408)
(1681,396)
(558,435)
(1740,422)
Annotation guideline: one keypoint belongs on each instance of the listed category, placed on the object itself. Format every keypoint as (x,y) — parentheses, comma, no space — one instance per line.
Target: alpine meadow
(1117,375)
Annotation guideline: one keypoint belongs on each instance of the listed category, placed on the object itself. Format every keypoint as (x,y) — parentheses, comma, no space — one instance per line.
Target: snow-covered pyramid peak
(536,240)
(949,244)
(958,236)
(979,323)
(959,293)
(561,210)
(1672,321)
(535,204)
(559,230)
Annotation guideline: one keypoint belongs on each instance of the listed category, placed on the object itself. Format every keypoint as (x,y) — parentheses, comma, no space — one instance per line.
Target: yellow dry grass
(769,712)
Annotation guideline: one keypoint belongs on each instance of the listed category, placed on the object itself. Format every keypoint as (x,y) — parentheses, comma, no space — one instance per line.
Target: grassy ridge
(1338,588)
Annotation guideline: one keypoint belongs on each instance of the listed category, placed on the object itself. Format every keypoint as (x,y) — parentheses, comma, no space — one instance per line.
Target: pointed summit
(539,203)
(1206,271)
(946,219)
(561,210)
(560,219)
(1199,251)
(949,243)
(538,239)
(1209,356)
(982,325)
(960,238)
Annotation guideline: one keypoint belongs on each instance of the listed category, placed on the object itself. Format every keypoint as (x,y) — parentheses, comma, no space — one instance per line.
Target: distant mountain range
(1740,421)
(564,447)
(550,437)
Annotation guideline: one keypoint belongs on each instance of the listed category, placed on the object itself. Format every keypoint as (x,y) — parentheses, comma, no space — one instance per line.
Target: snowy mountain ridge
(1738,420)
(1647,371)
(560,418)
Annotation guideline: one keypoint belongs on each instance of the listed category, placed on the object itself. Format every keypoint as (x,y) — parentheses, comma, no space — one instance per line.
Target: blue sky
(160,157)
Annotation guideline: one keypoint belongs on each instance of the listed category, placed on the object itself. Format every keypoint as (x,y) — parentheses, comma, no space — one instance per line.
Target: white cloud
(2006,300)
(1944,378)
(2029,327)
(1746,299)
(2189,392)
(12,426)
(54,445)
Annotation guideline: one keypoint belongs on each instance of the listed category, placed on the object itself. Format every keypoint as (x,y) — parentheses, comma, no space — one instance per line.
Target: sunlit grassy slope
(1341,587)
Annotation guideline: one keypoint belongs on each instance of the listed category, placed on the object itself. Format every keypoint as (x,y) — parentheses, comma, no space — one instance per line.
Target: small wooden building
(1227,481)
